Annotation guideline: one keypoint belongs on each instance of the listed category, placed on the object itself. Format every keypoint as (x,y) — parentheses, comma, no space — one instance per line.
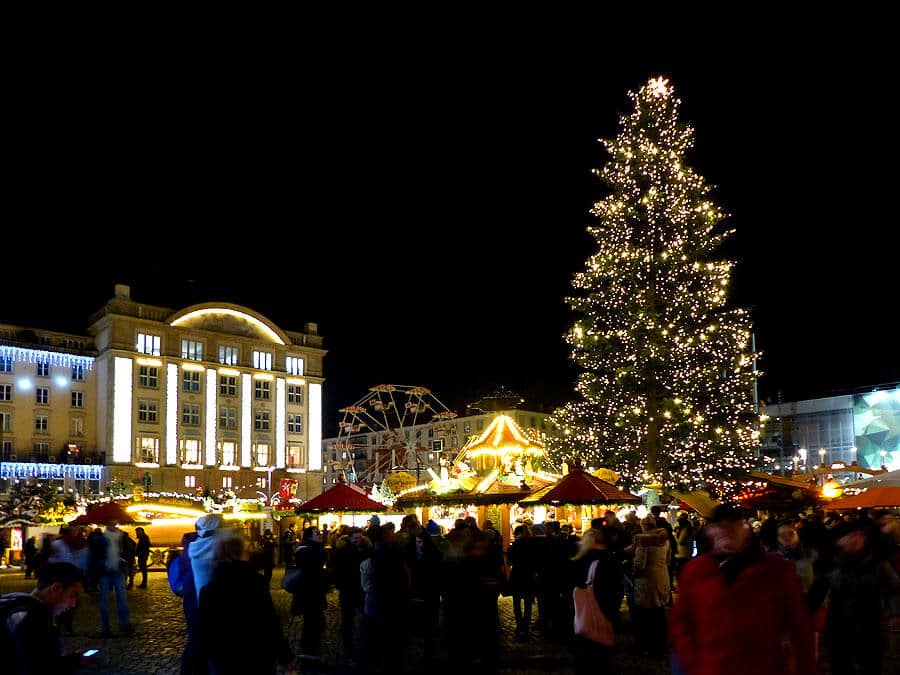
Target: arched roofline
(217,308)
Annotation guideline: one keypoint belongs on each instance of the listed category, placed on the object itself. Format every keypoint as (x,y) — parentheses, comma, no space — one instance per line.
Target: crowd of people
(727,594)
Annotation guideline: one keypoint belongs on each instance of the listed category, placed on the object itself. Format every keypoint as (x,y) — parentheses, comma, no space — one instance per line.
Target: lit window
(43,368)
(5,392)
(228,355)
(190,481)
(293,365)
(76,426)
(78,372)
(229,453)
(227,385)
(262,360)
(148,344)
(261,453)
(6,421)
(190,414)
(191,380)
(295,393)
(148,376)
(226,482)
(77,399)
(148,449)
(261,482)
(190,450)
(42,395)
(6,364)
(262,390)
(261,420)
(295,457)
(192,349)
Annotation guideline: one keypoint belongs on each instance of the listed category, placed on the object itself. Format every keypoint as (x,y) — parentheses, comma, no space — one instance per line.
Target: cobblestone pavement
(159,637)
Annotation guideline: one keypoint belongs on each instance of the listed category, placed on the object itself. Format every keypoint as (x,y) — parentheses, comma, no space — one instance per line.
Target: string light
(664,393)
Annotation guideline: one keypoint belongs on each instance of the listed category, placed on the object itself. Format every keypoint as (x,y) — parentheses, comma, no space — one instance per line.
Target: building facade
(210,397)
(862,428)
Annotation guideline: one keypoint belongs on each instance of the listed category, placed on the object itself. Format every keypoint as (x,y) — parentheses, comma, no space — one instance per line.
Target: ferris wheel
(389,411)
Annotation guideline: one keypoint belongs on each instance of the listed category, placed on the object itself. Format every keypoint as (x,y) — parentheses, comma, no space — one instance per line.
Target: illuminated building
(838,430)
(213,396)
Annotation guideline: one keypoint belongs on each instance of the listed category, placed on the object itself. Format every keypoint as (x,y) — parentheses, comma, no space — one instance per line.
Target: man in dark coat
(309,600)
(349,552)
(142,551)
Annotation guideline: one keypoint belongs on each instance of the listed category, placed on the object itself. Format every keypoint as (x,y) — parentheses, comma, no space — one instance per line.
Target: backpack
(181,576)
(10,604)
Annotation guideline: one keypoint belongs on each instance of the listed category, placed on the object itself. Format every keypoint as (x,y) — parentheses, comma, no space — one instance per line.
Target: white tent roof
(891,478)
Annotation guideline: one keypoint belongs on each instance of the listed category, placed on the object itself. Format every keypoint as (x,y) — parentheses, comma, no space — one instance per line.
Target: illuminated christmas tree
(664,396)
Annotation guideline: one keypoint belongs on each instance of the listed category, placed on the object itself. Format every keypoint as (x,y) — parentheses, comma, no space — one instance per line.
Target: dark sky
(429,213)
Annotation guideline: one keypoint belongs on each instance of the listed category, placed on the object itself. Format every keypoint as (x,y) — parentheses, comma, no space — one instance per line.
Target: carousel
(491,474)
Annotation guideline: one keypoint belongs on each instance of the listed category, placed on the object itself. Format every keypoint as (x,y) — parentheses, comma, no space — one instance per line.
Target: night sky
(429,214)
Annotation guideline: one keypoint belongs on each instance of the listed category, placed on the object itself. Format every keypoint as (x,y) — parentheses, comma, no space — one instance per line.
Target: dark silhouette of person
(268,547)
(142,551)
(309,600)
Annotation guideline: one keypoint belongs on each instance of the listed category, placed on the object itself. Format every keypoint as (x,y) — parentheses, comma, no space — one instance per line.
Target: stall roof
(341,497)
(580,487)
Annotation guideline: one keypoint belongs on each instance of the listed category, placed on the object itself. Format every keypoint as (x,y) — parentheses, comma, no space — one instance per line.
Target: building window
(74,344)
(41,423)
(295,424)
(190,450)
(261,420)
(5,392)
(262,390)
(228,355)
(227,385)
(44,339)
(148,376)
(438,445)
(190,414)
(190,481)
(148,449)
(42,395)
(262,360)
(295,393)
(226,482)
(293,365)
(76,427)
(5,450)
(42,449)
(296,458)
(43,368)
(78,372)
(229,453)
(77,399)
(148,344)
(261,454)
(192,349)
(6,421)
(228,418)
(147,411)
(261,482)
(6,364)
(467,428)
(191,380)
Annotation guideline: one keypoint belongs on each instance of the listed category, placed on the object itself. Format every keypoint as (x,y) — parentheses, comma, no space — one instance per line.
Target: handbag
(590,622)
(293,577)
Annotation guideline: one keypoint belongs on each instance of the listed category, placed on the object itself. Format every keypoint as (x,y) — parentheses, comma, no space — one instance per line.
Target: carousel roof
(342,497)
(580,487)
(502,436)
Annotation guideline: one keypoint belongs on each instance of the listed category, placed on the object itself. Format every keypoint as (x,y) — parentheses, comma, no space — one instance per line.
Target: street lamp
(853,455)
(802,453)
(822,456)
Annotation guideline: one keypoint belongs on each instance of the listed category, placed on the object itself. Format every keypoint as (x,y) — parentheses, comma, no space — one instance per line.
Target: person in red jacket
(739,609)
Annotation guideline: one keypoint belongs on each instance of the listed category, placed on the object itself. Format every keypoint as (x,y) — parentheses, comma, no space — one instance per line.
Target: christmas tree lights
(664,394)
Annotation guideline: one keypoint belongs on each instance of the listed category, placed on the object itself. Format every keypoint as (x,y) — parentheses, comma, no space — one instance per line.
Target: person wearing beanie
(202,552)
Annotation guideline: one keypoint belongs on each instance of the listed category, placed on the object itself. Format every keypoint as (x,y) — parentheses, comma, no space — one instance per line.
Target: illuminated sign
(50,471)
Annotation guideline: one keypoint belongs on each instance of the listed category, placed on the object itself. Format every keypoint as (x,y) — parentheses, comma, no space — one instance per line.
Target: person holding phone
(29,639)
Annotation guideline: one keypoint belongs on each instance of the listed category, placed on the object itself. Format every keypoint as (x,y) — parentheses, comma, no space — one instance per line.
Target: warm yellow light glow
(229,371)
(148,507)
(832,489)
(487,480)
(146,465)
(242,515)
(504,437)
(295,380)
(271,334)
(263,376)
(191,366)
(149,362)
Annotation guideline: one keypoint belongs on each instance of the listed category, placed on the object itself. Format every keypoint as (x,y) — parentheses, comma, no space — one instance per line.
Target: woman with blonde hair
(591,657)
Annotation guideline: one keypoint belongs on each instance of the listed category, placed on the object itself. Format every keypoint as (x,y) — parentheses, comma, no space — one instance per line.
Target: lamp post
(822,456)
(802,454)
(853,455)
(883,460)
